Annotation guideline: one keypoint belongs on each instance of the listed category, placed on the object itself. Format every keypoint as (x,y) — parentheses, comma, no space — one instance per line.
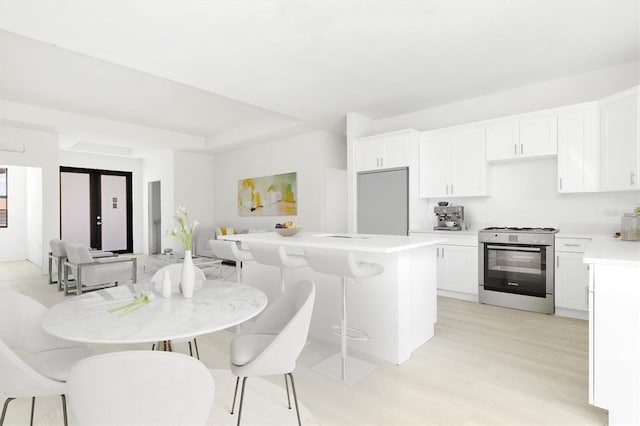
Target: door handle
(632,178)
(451,189)
(515,149)
(557,261)
(447,189)
(586,296)
(98,223)
(560,183)
(521,149)
(437,251)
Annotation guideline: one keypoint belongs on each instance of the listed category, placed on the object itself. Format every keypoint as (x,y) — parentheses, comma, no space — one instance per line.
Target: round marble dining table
(215,306)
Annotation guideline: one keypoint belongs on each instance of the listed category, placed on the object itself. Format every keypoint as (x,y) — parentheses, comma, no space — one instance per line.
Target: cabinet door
(619,143)
(395,152)
(538,135)
(578,150)
(572,281)
(368,155)
(434,165)
(501,140)
(458,268)
(467,166)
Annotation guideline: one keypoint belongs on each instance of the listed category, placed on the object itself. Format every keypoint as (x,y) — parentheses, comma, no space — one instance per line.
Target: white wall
(584,87)
(159,167)
(309,155)
(33,205)
(105,162)
(193,187)
(41,151)
(523,193)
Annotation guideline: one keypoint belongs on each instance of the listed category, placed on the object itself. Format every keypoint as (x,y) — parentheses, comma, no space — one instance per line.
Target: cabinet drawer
(575,245)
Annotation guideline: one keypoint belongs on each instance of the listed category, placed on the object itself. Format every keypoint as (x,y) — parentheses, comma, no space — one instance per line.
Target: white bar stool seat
(277,256)
(343,264)
(229,250)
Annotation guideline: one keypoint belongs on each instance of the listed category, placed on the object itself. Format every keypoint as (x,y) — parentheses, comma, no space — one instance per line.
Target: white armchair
(45,360)
(92,274)
(273,343)
(57,256)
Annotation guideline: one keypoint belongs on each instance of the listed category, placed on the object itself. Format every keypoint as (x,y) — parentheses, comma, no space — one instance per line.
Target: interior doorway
(96,208)
(155,218)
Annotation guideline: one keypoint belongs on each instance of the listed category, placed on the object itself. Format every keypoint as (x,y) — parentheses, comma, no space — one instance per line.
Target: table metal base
(355,369)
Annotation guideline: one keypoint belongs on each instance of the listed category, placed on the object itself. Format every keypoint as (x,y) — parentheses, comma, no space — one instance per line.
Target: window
(3,197)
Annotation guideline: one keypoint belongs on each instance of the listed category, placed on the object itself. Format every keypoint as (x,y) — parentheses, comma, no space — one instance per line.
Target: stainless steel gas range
(516,268)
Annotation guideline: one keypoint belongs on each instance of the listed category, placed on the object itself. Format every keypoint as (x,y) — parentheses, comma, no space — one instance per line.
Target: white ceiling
(240,71)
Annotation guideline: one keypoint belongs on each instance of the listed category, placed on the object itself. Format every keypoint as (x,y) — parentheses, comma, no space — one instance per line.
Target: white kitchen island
(614,328)
(396,308)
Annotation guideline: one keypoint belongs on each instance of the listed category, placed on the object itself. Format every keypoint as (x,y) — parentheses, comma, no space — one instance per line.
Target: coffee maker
(450,218)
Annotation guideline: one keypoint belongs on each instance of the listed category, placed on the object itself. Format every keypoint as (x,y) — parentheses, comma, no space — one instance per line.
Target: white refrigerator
(383,202)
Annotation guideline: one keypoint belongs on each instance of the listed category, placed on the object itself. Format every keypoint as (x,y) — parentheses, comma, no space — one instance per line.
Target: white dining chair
(140,388)
(272,344)
(32,362)
(175,271)
(92,274)
(229,250)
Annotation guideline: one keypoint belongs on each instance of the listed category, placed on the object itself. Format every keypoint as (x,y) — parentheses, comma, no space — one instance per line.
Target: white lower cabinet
(614,342)
(456,264)
(572,282)
(571,278)
(457,268)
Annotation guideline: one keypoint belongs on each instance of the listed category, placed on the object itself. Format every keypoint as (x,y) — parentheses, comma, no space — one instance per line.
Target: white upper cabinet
(452,162)
(385,151)
(502,139)
(434,164)
(523,136)
(619,150)
(579,148)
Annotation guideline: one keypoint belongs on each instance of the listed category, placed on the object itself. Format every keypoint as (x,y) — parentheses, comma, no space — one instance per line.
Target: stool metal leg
(343,336)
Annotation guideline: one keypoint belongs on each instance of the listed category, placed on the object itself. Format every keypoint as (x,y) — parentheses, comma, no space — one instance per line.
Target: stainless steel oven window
(515,269)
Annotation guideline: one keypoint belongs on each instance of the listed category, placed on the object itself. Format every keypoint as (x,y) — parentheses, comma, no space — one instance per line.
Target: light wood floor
(486,365)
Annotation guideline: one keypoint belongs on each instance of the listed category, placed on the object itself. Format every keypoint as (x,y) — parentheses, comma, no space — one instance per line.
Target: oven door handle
(514,248)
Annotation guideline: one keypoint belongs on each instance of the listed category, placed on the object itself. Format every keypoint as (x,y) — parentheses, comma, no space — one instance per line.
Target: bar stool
(229,250)
(277,256)
(343,264)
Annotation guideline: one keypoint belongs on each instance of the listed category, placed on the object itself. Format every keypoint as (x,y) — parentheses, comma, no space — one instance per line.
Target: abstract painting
(268,195)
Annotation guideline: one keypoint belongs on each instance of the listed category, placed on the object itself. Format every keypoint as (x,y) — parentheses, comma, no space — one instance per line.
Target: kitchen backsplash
(524,194)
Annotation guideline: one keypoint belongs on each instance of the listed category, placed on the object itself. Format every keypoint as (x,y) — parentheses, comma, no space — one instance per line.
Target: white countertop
(444,233)
(612,251)
(371,243)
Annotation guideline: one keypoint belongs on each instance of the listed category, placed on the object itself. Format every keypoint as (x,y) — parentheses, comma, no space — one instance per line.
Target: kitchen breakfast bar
(397,308)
